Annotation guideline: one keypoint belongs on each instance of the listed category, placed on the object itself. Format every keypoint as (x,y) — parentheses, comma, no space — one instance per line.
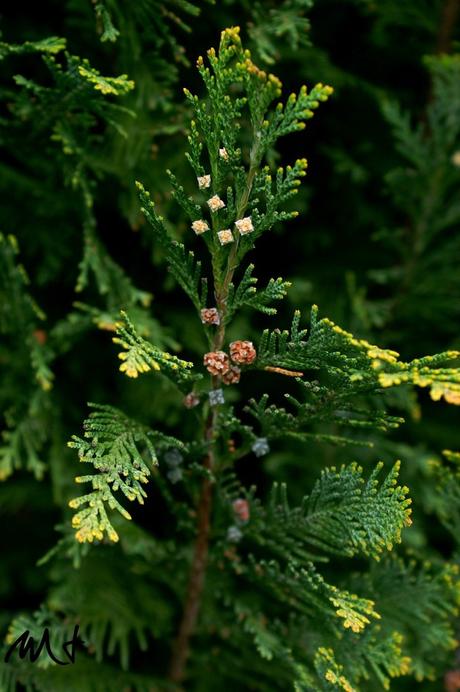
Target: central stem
(196,581)
(181,647)
(222,293)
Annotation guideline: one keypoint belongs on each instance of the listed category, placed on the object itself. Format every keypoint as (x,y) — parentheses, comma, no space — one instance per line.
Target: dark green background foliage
(92,101)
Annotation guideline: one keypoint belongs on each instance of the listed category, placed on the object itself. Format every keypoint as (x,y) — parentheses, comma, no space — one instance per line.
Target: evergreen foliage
(272,472)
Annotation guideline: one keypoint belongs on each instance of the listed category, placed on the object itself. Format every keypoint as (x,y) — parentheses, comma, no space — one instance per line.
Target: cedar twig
(181,647)
(283,371)
(195,587)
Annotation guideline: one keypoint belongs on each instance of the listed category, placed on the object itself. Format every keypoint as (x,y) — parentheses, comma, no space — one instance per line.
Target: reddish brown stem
(181,646)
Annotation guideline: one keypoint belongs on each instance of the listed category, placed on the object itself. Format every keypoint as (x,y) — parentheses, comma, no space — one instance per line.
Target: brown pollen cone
(232,376)
(191,400)
(216,362)
(210,316)
(242,352)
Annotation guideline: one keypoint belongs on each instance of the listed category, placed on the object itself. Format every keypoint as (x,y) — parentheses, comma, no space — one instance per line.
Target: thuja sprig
(234,179)
(235,200)
(123,453)
(239,201)
(139,355)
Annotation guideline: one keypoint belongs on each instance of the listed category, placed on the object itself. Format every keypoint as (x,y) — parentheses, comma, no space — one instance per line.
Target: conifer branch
(293,616)
(260,92)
